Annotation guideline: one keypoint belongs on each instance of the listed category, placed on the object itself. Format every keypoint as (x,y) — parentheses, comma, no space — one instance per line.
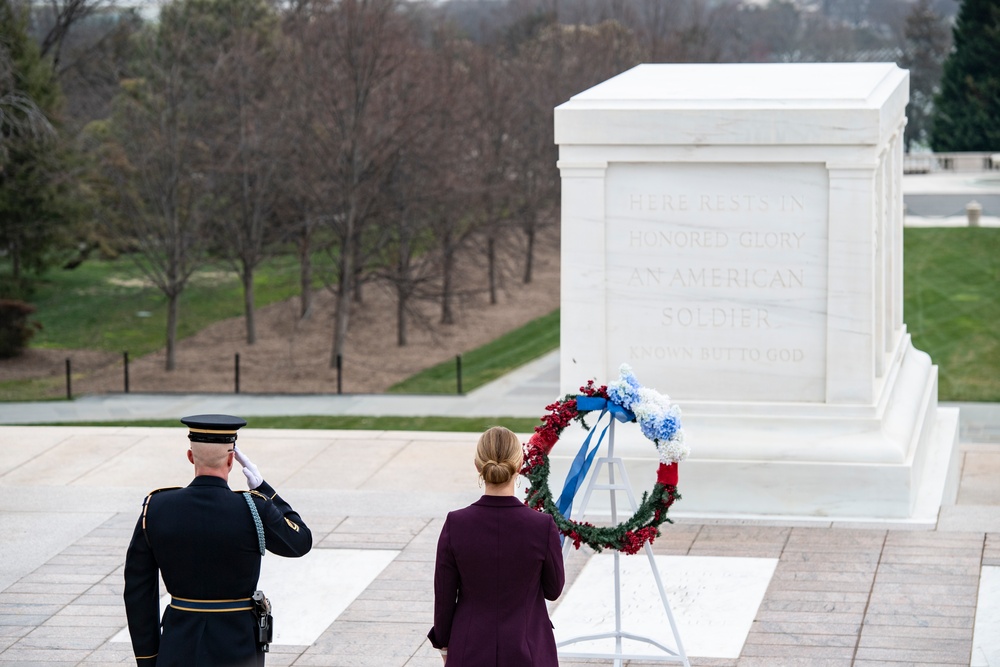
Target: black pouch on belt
(265,622)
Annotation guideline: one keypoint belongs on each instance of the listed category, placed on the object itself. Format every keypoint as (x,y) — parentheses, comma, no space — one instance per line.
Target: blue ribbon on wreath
(581,463)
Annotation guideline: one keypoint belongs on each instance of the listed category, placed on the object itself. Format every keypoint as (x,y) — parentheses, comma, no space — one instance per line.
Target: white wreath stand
(679,656)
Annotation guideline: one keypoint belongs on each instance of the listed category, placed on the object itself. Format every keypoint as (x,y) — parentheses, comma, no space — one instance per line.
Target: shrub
(15,329)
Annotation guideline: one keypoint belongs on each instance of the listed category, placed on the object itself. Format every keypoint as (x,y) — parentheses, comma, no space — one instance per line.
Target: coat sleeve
(285,533)
(142,598)
(447,587)
(553,573)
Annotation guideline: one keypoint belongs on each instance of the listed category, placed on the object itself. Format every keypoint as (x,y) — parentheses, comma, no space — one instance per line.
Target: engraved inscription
(718,277)
(720,268)
(714,239)
(782,355)
(730,318)
(716,202)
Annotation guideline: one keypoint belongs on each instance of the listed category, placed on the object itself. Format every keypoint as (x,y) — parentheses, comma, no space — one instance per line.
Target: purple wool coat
(497,563)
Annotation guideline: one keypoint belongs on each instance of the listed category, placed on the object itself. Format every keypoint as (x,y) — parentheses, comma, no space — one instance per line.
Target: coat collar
(209,480)
(499,501)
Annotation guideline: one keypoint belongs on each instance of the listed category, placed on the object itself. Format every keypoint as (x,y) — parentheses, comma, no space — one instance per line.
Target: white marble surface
(749,104)
(986,635)
(713,600)
(734,233)
(31,536)
(736,86)
(308,594)
(732,267)
(717,277)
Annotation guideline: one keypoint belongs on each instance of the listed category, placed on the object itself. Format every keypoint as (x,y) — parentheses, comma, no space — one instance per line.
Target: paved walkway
(940,196)
(841,594)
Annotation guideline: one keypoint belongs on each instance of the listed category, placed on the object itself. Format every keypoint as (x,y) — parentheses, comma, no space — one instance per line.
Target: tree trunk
(172,308)
(356,278)
(447,271)
(401,297)
(248,305)
(491,260)
(529,260)
(305,273)
(343,310)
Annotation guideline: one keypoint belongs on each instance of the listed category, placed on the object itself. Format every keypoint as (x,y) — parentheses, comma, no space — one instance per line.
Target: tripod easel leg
(679,656)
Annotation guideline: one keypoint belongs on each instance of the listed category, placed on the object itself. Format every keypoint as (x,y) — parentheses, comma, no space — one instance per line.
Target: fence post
(125,357)
(69,381)
(458,372)
(236,363)
(340,369)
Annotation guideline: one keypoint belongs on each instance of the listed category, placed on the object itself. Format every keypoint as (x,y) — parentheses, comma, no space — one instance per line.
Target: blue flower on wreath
(660,427)
(659,420)
(625,390)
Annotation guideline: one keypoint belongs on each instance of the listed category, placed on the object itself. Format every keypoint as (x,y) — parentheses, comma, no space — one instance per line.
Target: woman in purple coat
(497,563)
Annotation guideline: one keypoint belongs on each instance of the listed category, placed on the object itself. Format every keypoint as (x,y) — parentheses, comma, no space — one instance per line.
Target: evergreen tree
(967,113)
(33,193)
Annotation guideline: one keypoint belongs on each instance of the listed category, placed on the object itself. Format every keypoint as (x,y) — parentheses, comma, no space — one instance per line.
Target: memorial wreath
(626,400)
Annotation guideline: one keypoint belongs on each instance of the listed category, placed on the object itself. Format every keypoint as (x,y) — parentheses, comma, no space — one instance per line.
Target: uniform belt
(185,604)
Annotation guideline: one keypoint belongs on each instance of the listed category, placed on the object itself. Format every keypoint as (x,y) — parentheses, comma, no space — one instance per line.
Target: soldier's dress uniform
(204,540)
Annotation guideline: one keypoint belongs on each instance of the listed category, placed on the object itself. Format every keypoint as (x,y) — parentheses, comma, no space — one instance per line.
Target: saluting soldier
(207,542)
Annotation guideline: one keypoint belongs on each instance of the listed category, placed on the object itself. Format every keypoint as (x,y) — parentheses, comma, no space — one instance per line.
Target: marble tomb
(735,234)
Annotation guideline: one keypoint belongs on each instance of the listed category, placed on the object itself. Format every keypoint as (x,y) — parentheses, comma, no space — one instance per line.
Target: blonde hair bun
(499,455)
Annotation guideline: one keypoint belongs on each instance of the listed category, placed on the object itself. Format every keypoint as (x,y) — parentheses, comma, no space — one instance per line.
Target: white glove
(254,478)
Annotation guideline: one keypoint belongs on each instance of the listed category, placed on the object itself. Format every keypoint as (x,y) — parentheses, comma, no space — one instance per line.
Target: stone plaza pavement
(842,592)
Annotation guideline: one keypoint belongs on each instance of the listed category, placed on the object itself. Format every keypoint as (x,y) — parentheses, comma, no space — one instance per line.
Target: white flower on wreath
(659,420)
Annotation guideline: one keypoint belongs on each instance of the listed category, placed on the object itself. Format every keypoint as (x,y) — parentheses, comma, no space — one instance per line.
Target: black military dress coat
(204,541)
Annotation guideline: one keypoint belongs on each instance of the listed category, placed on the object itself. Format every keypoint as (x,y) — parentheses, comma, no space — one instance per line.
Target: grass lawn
(488,362)
(952,308)
(77,308)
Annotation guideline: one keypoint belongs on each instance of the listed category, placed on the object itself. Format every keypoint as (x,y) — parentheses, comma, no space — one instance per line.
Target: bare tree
(298,209)
(243,133)
(350,52)
(655,21)
(448,189)
(154,161)
(492,109)
(423,217)
(57,18)
(408,264)
(88,45)
(552,66)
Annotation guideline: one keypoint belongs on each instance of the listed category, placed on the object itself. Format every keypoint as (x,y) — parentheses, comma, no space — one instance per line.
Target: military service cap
(219,429)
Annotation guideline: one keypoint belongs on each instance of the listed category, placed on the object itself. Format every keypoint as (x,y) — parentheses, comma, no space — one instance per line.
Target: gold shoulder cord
(291,524)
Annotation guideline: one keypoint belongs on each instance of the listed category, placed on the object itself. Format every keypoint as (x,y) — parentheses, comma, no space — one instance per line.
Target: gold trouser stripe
(146,657)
